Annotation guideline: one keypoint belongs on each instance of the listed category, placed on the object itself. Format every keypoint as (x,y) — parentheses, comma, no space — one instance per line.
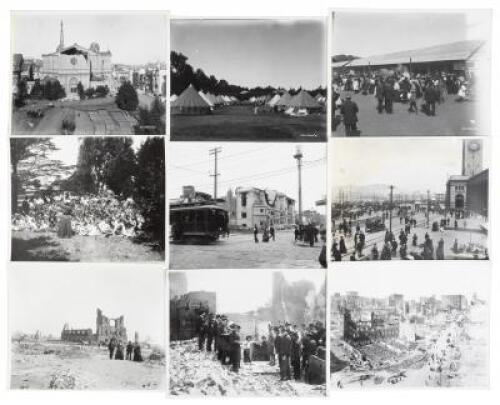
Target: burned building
(76,335)
(106,328)
(185,311)
(363,331)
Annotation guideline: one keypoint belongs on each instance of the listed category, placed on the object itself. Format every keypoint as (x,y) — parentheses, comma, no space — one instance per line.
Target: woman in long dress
(64,229)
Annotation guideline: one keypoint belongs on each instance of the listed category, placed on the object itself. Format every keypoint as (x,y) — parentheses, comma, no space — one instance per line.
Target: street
(473,233)
(452,118)
(239,251)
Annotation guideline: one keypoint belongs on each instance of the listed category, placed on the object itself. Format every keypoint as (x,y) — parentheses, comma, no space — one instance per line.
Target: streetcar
(198,222)
(374,224)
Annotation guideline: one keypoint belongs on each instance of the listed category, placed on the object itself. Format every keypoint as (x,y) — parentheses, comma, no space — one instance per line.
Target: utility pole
(298,156)
(428,207)
(390,208)
(215,151)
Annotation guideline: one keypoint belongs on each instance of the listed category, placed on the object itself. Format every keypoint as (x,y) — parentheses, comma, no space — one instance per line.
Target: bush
(54,90)
(101,91)
(68,125)
(127,99)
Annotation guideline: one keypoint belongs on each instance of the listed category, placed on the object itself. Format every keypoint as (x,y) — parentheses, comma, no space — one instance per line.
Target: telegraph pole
(298,156)
(390,208)
(428,207)
(215,151)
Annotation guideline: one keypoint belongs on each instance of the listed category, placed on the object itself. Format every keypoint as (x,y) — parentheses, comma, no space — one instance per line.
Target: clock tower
(472,157)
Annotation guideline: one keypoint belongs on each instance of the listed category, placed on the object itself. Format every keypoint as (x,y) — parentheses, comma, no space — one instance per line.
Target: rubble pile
(66,380)
(197,373)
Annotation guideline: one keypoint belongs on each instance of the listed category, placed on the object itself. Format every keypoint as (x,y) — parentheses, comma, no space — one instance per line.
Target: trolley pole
(298,156)
(390,208)
(215,152)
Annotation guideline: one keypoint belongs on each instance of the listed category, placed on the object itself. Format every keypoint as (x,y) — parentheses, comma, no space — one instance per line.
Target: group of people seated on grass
(85,215)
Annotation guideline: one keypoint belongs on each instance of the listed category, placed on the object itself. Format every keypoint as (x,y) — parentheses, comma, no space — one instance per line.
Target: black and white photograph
(423,328)
(87,329)
(410,73)
(248,80)
(247,333)
(89,73)
(417,199)
(247,205)
(92,199)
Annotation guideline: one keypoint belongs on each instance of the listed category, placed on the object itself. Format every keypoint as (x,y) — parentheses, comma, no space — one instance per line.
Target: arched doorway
(459,202)
(73,85)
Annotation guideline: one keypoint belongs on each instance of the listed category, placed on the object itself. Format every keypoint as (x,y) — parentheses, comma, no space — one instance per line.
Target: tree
(101,91)
(153,117)
(80,90)
(23,149)
(54,90)
(22,93)
(127,99)
(106,162)
(150,187)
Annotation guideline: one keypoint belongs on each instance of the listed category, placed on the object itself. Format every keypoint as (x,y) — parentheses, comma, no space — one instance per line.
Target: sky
(261,165)
(379,32)
(132,38)
(286,53)
(45,299)
(416,164)
(243,290)
(68,147)
(413,282)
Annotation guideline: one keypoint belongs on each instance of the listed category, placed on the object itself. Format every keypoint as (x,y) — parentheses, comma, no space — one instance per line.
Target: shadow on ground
(41,248)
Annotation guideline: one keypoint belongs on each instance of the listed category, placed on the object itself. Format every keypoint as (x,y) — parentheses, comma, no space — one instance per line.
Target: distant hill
(343,58)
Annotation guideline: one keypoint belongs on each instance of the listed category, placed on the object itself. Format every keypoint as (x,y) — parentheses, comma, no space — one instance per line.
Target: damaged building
(106,328)
(361,331)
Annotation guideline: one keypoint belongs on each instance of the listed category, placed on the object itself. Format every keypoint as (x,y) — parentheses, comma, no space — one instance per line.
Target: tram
(203,222)
(374,224)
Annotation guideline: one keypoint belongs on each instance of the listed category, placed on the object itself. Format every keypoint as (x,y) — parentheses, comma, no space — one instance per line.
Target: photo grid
(203,243)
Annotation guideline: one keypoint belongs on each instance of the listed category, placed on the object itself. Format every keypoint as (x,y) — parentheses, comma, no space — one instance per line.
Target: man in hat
(350,110)
(235,347)
(284,349)
(201,330)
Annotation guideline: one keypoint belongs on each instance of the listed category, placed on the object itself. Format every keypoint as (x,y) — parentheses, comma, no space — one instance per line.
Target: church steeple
(61,38)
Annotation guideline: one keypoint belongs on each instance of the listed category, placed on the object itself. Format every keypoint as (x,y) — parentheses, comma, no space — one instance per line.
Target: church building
(75,64)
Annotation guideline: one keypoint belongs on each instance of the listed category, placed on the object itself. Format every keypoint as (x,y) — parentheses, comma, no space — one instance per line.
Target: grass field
(46,246)
(239,123)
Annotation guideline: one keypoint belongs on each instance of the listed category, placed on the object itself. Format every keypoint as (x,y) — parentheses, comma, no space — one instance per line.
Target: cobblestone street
(240,251)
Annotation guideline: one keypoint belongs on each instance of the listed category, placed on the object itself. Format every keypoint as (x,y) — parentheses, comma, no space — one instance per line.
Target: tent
(173,97)
(205,97)
(304,100)
(189,103)
(274,100)
(219,100)
(284,100)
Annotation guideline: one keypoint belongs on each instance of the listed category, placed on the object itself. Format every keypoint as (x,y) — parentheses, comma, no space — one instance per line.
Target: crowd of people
(287,345)
(399,87)
(405,245)
(117,350)
(86,215)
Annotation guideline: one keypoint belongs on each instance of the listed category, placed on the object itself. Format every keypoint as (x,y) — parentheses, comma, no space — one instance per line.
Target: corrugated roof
(461,50)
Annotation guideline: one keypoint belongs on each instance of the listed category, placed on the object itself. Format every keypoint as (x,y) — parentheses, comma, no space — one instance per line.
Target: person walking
(256,233)
(350,110)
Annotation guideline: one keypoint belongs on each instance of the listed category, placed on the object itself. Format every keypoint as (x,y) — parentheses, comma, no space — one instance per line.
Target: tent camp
(189,103)
(284,100)
(304,100)
(206,98)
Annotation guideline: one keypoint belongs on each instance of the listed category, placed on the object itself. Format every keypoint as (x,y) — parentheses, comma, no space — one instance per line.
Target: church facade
(75,64)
